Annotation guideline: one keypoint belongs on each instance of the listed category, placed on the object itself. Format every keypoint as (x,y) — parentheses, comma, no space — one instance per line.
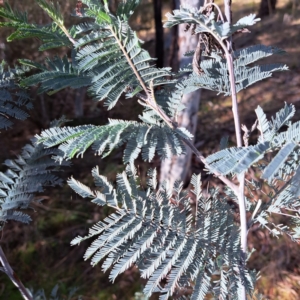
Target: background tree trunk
(159,33)
(79,102)
(178,168)
(267,7)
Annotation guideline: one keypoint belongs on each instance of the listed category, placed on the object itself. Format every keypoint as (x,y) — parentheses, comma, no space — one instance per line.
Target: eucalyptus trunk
(178,167)
(267,7)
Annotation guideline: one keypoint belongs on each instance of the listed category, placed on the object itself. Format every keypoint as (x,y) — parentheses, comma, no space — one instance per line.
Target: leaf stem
(7,269)
(142,83)
(228,14)
(217,7)
(229,183)
(241,190)
(66,32)
(237,124)
(174,125)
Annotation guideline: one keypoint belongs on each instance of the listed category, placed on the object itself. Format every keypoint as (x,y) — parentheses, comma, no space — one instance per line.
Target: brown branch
(174,125)
(228,14)
(224,179)
(7,269)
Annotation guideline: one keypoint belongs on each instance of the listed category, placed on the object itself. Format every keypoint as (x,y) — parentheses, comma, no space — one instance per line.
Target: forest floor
(41,253)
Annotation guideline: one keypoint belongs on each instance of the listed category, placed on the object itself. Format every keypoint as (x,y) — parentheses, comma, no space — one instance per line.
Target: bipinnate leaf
(27,177)
(154,232)
(14,100)
(138,137)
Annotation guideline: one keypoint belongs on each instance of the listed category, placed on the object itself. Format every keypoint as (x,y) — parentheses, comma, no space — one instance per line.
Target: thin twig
(7,269)
(228,14)
(283,214)
(197,58)
(241,195)
(290,209)
(225,180)
(259,202)
(217,7)
(66,32)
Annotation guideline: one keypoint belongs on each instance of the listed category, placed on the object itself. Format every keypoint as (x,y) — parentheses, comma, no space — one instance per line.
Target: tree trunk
(267,7)
(79,102)
(295,4)
(178,168)
(159,33)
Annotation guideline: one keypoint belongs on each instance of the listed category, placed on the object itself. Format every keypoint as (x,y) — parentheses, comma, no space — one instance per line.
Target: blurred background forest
(40,253)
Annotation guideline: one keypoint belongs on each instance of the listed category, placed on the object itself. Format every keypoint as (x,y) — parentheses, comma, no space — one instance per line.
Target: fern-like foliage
(112,52)
(155,231)
(215,76)
(276,157)
(25,178)
(237,160)
(145,138)
(51,35)
(109,51)
(57,74)
(214,71)
(14,101)
(175,250)
(205,23)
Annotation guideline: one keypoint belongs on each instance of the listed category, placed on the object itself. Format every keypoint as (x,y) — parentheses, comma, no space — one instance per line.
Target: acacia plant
(182,252)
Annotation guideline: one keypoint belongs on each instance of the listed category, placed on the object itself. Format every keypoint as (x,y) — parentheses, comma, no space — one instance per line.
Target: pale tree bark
(79,102)
(178,168)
